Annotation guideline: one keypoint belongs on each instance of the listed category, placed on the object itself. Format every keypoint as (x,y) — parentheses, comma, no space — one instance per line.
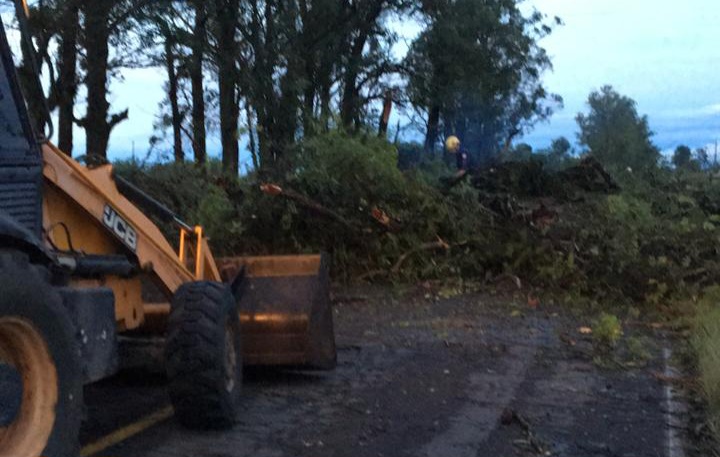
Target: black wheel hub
(11,391)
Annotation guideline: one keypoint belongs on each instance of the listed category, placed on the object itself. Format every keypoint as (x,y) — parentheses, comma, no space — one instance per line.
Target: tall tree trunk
(277,104)
(264,97)
(350,110)
(325,109)
(349,107)
(308,109)
(34,96)
(251,133)
(197,84)
(286,120)
(310,59)
(226,24)
(68,82)
(387,111)
(173,97)
(97,47)
(433,127)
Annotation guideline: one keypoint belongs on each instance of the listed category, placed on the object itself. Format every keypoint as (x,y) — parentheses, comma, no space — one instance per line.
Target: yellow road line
(127,432)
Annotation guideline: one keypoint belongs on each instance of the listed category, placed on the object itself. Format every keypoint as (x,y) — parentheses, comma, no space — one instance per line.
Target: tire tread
(195,348)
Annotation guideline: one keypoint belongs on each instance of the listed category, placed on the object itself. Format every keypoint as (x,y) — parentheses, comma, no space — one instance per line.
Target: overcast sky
(662,53)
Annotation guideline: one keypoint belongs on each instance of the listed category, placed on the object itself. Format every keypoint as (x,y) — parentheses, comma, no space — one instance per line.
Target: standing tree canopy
(615,133)
(267,74)
(682,158)
(560,147)
(476,73)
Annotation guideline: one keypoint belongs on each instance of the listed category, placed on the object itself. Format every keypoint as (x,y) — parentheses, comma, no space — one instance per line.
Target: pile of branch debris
(582,229)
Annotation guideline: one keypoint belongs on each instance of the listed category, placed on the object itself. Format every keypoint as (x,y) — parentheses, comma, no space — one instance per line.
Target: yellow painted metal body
(284,311)
(285,315)
(75,205)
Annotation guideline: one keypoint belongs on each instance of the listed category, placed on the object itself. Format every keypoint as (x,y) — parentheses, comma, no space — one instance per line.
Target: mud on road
(463,376)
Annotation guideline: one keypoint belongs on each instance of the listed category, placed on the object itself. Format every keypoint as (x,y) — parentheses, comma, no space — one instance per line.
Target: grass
(607,331)
(706,342)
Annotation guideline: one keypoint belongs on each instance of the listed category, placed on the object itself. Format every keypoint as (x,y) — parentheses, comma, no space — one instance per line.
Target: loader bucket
(285,310)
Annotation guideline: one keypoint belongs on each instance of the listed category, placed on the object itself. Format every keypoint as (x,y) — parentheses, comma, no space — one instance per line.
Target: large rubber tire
(204,355)
(37,338)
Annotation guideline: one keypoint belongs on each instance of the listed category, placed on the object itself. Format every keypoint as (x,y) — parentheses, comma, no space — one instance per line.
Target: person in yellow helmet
(454,146)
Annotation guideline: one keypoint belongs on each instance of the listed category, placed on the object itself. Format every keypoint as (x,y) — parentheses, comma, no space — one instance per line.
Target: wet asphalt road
(465,376)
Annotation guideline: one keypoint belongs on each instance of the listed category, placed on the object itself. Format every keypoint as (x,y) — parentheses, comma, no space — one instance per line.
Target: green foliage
(615,133)
(479,65)
(629,211)
(352,176)
(358,172)
(607,331)
(561,147)
(521,152)
(558,156)
(682,157)
(702,158)
(179,186)
(651,243)
(638,351)
(220,217)
(410,155)
(706,342)
(198,195)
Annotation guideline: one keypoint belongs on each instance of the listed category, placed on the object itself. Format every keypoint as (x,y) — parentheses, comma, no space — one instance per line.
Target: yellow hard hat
(452,144)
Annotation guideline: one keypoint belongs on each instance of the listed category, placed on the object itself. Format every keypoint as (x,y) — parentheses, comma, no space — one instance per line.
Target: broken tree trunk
(387,222)
(432,246)
(591,176)
(306,202)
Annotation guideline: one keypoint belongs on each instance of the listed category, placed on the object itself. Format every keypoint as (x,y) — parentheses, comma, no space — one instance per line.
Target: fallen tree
(581,231)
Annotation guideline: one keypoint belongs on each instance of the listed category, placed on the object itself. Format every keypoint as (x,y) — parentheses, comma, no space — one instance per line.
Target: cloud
(661,54)
(691,112)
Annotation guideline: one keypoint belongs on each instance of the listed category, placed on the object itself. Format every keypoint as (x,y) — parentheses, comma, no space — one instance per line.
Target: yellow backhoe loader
(83,263)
